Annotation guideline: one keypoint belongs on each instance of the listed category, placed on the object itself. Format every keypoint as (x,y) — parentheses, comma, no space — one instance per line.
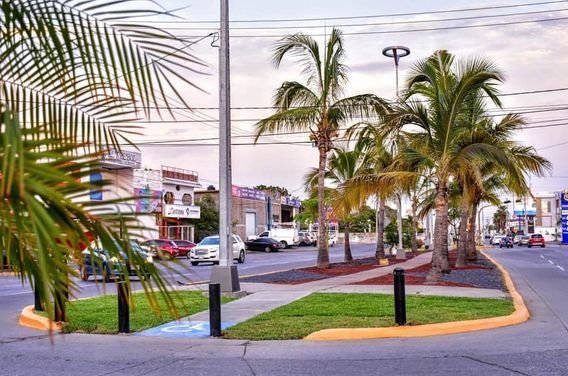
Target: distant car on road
(524,240)
(307,238)
(161,248)
(207,250)
(536,240)
(97,261)
(264,244)
(184,246)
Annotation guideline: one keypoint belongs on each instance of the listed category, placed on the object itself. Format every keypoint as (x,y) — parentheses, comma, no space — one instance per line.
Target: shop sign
(564,215)
(113,159)
(147,200)
(182,211)
(250,193)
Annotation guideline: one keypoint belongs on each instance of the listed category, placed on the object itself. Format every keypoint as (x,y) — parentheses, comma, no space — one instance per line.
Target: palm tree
(437,94)
(379,155)
(317,107)
(344,199)
(73,75)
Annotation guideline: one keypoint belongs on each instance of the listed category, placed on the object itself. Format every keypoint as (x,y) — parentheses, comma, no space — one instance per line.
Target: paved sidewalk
(265,297)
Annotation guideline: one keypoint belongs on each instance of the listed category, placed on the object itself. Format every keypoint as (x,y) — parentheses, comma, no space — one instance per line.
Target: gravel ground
(290,275)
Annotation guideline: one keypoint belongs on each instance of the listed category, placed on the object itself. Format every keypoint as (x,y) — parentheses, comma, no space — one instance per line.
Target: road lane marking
(551,263)
(542,257)
(561,268)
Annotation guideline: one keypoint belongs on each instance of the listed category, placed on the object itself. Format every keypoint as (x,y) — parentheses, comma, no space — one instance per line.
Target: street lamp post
(396,52)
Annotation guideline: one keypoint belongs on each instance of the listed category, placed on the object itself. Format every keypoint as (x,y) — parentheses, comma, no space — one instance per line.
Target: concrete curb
(520,315)
(32,320)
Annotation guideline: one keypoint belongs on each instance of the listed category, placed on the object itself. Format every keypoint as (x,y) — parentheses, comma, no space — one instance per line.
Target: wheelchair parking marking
(187,329)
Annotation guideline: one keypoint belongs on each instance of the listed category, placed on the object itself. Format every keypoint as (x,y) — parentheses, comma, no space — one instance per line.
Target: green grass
(324,311)
(100,314)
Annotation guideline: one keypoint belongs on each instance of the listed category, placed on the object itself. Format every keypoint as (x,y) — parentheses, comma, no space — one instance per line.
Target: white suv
(208,250)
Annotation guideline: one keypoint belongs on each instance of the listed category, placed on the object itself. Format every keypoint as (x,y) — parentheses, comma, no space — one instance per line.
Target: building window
(169,198)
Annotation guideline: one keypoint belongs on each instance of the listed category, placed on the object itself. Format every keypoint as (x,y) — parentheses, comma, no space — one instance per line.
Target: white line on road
(551,263)
(542,257)
(561,268)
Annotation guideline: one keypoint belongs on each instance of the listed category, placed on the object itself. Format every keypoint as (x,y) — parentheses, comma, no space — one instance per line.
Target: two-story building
(165,201)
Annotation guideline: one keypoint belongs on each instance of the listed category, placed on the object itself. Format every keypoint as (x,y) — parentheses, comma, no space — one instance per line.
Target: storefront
(165,201)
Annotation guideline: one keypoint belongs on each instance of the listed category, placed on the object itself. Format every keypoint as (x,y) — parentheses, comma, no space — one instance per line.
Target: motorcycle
(507,243)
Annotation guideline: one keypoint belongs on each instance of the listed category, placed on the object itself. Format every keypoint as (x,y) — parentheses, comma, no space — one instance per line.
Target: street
(538,347)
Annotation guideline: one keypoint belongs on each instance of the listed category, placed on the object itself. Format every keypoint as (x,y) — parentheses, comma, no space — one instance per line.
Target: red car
(184,246)
(162,248)
(536,240)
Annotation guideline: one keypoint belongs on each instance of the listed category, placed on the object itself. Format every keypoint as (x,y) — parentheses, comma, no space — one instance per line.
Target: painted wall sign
(564,215)
(181,211)
(147,200)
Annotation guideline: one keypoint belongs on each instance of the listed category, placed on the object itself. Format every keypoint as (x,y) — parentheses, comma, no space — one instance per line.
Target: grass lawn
(324,311)
(100,314)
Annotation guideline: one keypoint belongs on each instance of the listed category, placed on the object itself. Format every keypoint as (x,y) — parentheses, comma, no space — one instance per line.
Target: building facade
(254,211)
(165,202)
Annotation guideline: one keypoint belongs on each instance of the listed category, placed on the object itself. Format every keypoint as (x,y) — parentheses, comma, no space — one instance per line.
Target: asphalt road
(538,347)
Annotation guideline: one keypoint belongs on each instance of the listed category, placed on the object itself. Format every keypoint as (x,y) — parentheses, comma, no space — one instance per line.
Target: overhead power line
(401,31)
(419,13)
(412,22)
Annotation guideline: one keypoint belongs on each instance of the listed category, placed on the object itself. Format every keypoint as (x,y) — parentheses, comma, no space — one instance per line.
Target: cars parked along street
(207,250)
(184,246)
(264,244)
(161,248)
(98,262)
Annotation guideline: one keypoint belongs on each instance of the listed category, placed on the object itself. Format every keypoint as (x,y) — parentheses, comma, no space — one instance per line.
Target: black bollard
(215,309)
(399,297)
(123,307)
(38,302)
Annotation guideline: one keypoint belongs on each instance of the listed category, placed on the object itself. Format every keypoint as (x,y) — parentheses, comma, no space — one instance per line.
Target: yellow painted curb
(32,320)
(520,315)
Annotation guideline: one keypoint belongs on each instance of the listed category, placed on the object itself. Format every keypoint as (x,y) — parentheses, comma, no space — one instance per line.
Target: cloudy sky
(532,54)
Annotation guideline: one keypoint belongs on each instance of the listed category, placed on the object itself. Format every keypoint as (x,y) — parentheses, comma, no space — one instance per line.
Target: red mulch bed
(360,265)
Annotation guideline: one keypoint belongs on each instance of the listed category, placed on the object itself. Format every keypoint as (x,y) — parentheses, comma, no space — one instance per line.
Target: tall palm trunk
(440,262)
(462,243)
(414,226)
(323,255)
(380,251)
(348,257)
(471,250)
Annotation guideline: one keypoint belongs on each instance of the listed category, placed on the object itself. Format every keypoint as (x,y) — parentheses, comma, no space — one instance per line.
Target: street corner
(519,316)
(29,318)
(182,329)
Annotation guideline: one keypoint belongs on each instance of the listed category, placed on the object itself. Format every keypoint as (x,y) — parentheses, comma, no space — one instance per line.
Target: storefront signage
(182,211)
(564,215)
(250,193)
(290,201)
(113,159)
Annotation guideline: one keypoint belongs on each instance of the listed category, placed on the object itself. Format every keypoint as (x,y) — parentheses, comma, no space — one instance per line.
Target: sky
(533,55)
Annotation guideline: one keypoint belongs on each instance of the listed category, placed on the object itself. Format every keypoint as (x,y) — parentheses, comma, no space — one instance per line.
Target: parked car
(496,239)
(184,246)
(207,250)
(536,240)
(524,240)
(307,238)
(97,261)
(287,236)
(161,248)
(264,244)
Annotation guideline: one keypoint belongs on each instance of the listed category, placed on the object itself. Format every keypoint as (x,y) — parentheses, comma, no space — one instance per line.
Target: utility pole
(396,52)
(226,274)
